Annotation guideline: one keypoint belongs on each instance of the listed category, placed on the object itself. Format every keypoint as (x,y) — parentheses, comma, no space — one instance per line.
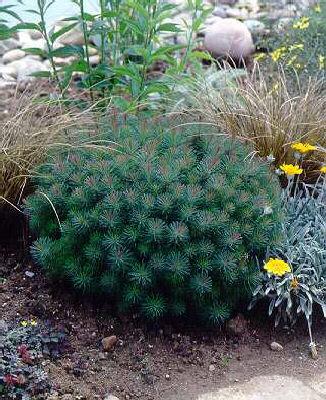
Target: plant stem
(41,6)
(85,34)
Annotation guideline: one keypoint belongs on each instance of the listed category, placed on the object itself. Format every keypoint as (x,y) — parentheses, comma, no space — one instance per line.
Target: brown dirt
(148,363)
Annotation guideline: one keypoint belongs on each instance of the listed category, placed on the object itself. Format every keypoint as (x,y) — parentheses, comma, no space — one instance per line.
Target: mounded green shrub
(167,223)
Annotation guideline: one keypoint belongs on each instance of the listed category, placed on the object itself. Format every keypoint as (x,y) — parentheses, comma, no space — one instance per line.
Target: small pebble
(276,346)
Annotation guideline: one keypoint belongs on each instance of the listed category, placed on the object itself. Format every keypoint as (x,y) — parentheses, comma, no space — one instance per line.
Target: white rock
(251,5)
(8,73)
(13,55)
(110,397)
(63,61)
(24,67)
(24,38)
(94,60)
(5,85)
(92,51)
(36,44)
(276,346)
(74,36)
(8,44)
(229,37)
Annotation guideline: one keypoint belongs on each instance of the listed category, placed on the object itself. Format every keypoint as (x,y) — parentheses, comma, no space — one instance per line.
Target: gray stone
(111,397)
(220,12)
(3,326)
(227,2)
(255,26)
(8,44)
(34,34)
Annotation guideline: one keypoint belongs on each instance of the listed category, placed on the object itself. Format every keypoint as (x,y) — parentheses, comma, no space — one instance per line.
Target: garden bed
(153,363)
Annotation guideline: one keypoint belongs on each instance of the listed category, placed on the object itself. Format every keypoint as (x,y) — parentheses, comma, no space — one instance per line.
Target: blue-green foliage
(166,223)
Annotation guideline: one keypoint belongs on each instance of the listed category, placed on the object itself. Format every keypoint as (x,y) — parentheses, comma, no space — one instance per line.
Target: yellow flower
(24,323)
(294,283)
(291,169)
(302,23)
(303,147)
(277,54)
(298,46)
(317,8)
(260,57)
(276,266)
(321,61)
(323,169)
(33,322)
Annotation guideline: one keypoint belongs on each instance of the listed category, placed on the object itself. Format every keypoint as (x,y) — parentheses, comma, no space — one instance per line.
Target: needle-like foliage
(168,223)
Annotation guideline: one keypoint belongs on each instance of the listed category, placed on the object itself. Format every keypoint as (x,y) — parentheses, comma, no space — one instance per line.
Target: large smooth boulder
(228,37)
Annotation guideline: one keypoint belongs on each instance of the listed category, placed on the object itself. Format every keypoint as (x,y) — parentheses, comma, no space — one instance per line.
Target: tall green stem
(85,34)
(41,6)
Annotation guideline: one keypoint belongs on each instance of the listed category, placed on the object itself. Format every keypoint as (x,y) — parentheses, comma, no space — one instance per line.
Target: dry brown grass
(266,113)
(31,128)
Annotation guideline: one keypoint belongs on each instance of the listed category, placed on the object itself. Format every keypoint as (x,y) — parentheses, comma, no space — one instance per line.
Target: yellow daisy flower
(303,147)
(33,322)
(279,53)
(24,323)
(276,266)
(291,169)
(321,61)
(323,169)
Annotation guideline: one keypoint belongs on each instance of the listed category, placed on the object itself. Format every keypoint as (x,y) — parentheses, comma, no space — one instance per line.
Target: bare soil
(148,362)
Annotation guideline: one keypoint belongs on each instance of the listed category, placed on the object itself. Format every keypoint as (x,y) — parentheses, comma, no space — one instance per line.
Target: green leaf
(202,55)
(28,25)
(42,74)
(68,51)
(5,32)
(7,10)
(35,51)
(54,36)
(168,27)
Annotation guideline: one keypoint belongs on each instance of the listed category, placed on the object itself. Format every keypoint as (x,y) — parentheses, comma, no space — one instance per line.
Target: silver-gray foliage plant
(304,249)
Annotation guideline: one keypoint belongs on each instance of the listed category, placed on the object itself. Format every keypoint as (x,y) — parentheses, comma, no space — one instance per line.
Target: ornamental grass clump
(169,223)
(30,129)
(268,113)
